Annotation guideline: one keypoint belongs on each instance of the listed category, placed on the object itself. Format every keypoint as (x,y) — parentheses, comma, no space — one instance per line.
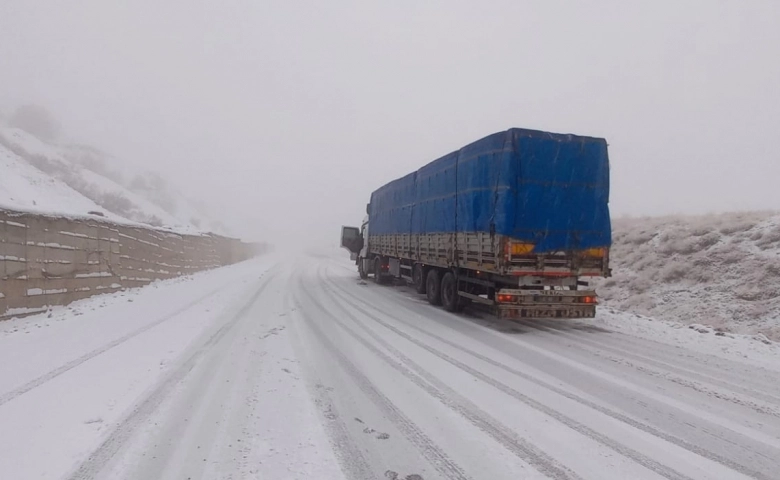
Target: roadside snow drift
(722,271)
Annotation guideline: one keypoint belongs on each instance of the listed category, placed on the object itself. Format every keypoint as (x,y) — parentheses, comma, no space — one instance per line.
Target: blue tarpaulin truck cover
(548,189)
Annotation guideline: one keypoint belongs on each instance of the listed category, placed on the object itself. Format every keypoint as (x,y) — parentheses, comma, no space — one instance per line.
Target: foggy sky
(285,115)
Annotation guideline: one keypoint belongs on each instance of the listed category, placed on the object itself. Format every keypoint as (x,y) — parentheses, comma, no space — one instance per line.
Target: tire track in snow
(456,402)
(747,400)
(691,447)
(350,457)
(8,396)
(437,458)
(628,452)
(101,456)
(758,378)
(678,373)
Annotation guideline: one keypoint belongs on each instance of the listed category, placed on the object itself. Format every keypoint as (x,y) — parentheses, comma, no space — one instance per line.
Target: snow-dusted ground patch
(70,375)
(754,349)
(243,412)
(720,271)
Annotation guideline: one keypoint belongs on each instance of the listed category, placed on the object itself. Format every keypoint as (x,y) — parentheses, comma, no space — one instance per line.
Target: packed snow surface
(295,369)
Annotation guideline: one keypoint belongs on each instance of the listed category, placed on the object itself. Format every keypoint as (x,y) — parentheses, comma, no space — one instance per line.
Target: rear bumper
(547,303)
(546,311)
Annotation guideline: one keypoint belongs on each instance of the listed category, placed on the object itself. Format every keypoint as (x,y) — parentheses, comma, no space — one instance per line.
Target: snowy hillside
(92,182)
(24,187)
(721,271)
(148,185)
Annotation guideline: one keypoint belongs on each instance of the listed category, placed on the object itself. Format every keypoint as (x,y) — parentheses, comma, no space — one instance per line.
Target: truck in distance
(518,221)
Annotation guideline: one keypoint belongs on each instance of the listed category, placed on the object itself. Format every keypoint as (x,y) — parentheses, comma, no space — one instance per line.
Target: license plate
(549,313)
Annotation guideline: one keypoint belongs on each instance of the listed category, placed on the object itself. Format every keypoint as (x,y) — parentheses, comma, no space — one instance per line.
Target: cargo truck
(517,221)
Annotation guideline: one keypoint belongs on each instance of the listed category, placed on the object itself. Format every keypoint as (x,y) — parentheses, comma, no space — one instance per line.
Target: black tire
(362,271)
(449,292)
(378,271)
(433,287)
(418,279)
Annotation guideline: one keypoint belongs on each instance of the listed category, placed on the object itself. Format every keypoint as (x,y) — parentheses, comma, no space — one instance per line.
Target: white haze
(286,115)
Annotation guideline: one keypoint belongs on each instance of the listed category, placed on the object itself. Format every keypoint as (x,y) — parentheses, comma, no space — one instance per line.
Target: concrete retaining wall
(54,261)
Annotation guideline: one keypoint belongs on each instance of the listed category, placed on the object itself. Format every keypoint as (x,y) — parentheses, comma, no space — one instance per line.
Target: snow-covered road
(297,370)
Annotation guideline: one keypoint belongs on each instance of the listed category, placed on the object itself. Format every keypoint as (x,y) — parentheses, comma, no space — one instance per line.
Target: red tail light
(504,298)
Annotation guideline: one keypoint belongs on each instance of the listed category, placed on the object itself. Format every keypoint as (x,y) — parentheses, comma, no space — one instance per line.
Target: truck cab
(355,240)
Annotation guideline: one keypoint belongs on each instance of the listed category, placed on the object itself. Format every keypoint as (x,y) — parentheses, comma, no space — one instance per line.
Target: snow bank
(722,271)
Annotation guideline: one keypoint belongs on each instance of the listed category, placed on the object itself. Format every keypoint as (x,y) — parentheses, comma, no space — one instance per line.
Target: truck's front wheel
(433,287)
(361,269)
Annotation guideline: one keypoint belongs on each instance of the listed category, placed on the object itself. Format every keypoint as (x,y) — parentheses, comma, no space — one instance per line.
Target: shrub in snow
(674,271)
(700,274)
(769,238)
(708,240)
(680,241)
(640,284)
(642,303)
(153,221)
(643,262)
(748,292)
(114,202)
(93,160)
(639,238)
(759,310)
(728,255)
(156,189)
(740,222)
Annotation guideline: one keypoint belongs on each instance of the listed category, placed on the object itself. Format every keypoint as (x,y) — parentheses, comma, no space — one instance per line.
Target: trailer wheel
(433,287)
(378,271)
(418,278)
(449,293)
